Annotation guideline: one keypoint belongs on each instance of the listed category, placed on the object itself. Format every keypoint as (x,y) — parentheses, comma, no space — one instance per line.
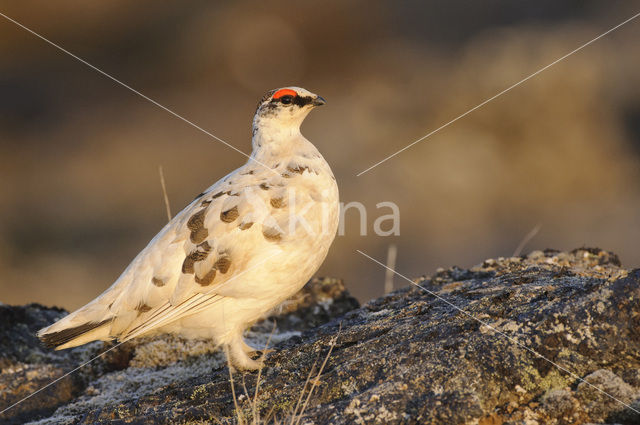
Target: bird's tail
(76,329)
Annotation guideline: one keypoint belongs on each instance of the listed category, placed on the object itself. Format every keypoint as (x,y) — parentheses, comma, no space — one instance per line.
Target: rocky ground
(550,338)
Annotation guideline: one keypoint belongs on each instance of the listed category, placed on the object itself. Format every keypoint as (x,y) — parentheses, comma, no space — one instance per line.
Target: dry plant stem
(317,379)
(304,388)
(526,240)
(241,420)
(254,405)
(255,420)
(164,192)
(392,253)
(244,387)
(268,417)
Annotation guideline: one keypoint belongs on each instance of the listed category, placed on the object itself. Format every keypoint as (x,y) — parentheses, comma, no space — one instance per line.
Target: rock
(596,394)
(522,340)
(27,366)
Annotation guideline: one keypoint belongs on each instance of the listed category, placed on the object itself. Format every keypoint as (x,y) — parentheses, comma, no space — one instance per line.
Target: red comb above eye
(284,92)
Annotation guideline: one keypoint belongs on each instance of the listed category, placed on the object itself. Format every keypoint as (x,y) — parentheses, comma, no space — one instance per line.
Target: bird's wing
(233,227)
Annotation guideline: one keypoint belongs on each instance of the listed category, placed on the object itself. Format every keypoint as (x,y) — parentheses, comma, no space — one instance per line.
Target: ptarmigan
(239,249)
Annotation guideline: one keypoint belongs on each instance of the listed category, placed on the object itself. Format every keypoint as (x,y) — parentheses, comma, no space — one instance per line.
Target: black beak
(318,101)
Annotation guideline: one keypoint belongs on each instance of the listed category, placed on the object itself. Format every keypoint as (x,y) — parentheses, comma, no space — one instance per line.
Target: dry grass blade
(334,341)
(244,387)
(268,417)
(526,240)
(392,253)
(304,388)
(164,192)
(254,403)
(240,415)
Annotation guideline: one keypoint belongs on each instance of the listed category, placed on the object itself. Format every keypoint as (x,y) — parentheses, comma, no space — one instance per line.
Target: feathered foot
(238,352)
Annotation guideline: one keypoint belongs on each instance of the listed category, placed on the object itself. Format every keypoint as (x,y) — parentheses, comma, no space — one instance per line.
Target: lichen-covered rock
(550,338)
(27,366)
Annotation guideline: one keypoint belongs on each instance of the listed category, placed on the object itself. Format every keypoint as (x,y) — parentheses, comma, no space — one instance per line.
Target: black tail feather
(54,339)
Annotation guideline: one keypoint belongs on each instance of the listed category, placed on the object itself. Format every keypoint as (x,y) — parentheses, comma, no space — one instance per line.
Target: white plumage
(239,249)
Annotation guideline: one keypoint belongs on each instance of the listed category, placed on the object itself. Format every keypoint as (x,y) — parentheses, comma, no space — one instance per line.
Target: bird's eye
(286,100)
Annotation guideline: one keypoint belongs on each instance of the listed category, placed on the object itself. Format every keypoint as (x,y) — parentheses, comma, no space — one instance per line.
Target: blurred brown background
(79,155)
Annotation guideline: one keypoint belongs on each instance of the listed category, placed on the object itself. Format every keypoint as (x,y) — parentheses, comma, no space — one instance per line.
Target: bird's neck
(273,140)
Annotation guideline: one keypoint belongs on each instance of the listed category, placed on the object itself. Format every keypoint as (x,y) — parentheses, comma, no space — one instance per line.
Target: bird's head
(286,107)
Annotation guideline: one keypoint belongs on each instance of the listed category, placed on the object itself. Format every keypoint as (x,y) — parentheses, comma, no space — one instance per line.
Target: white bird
(242,247)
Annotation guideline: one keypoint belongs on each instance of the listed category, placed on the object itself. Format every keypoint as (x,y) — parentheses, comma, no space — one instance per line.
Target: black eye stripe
(303,100)
(296,100)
